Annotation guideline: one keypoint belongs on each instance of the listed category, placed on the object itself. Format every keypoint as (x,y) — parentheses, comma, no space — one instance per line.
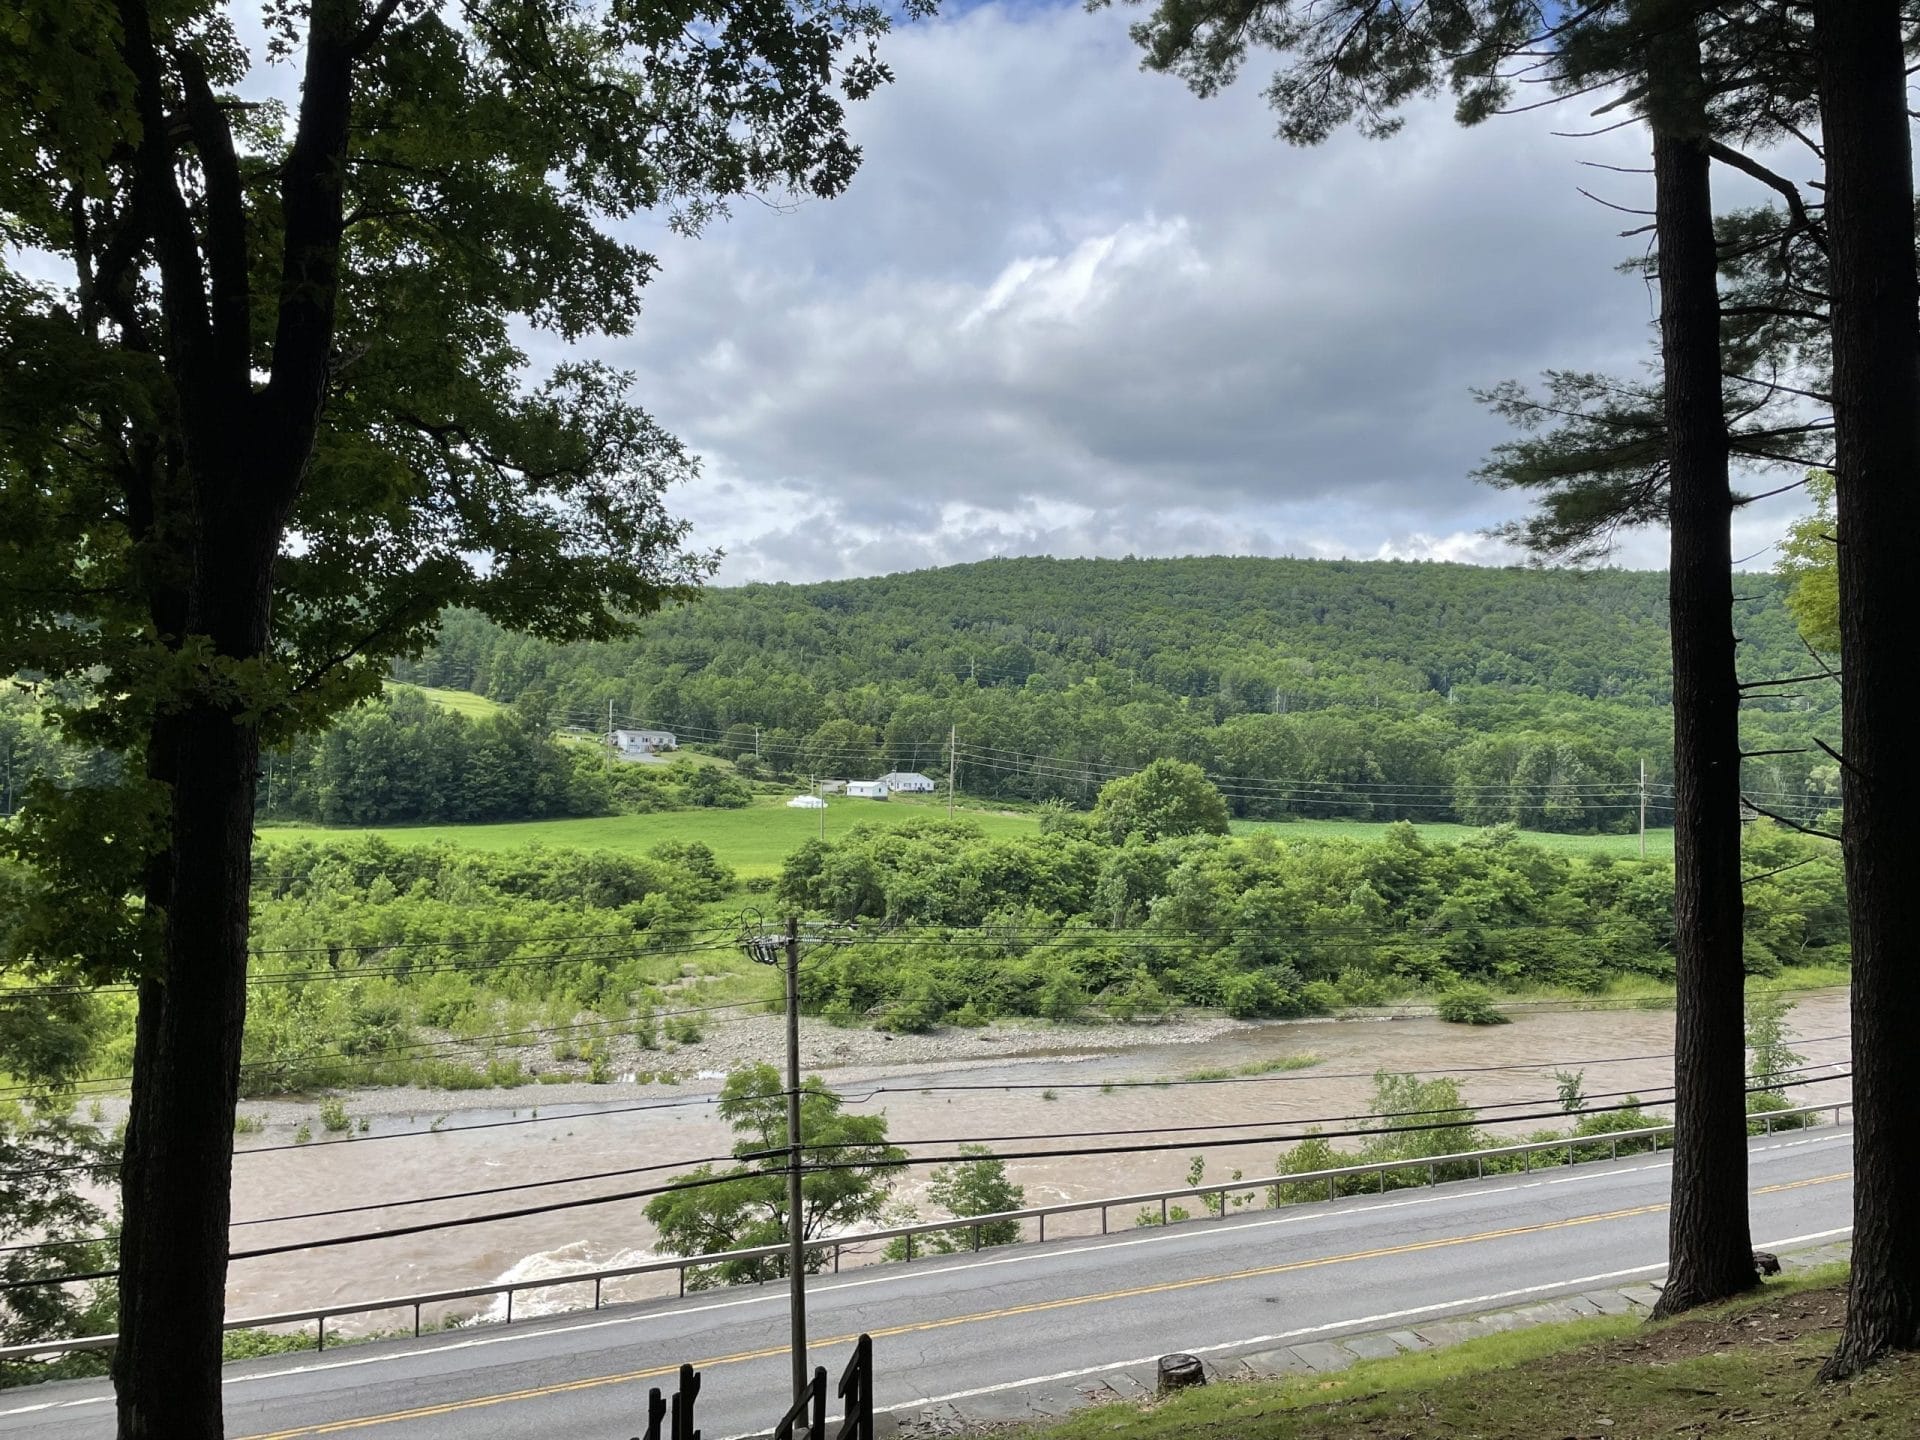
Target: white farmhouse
(644,742)
(908,782)
(867,789)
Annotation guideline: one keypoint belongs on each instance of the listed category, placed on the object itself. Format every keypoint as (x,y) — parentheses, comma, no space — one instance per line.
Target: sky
(1069,308)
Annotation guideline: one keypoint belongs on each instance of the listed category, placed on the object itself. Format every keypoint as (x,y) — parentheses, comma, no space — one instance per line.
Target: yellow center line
(1803,1184)
(595,1382)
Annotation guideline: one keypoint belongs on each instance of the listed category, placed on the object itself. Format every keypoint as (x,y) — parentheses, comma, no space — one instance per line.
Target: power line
(647,1192)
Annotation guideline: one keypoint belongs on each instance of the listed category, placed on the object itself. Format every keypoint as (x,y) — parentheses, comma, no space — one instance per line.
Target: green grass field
(756,840)
(753,841)
(1659,842)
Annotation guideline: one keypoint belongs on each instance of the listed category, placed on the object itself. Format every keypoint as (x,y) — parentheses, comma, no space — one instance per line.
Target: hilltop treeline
(948,925)
(1361,690)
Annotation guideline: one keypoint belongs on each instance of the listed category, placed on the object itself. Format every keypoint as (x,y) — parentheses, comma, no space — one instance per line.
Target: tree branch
(226,223)
(311,201)
(1796,203)
(1812,830)
(182,284)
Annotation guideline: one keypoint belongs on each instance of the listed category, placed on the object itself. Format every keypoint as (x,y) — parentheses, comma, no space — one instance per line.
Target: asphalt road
(973,1326)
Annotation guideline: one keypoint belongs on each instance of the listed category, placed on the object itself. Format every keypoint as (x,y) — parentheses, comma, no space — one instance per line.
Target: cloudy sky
(1069,308)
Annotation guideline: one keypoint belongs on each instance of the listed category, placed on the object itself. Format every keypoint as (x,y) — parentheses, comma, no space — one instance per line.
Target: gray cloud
(1069,308)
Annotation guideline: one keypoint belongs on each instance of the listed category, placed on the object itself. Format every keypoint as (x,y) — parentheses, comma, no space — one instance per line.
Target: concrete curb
(1031,1405)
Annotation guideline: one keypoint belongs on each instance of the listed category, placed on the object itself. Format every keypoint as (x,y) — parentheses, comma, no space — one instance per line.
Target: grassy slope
(468,704)
(1744,1369)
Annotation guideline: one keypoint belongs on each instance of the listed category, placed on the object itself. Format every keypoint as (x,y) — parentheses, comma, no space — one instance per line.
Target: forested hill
(1343,679)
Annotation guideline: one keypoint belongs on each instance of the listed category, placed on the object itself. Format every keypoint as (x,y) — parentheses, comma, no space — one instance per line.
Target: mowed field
(755,841)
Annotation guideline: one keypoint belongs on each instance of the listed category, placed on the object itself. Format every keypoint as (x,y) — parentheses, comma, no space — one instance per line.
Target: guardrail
(1218,1192)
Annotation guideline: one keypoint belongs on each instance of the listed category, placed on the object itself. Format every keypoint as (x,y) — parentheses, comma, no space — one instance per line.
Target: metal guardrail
(837,1244)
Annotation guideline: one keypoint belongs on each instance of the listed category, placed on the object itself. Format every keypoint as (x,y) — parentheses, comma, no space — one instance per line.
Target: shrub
(1469,1005)
(334,1118)
(248,1124)
(1769,1102)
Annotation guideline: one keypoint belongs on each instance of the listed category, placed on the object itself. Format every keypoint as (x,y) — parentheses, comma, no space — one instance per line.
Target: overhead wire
(648,1192)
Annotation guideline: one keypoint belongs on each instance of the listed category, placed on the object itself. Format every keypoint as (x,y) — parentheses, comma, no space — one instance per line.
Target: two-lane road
(1006,1319)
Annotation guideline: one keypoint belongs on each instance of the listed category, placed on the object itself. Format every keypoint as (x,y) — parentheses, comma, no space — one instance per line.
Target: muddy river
(577,1130)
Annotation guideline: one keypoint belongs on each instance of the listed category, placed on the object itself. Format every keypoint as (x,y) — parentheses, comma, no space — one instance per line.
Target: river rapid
(556,1132)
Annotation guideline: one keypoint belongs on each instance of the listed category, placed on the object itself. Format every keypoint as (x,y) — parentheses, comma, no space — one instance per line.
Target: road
(973,1326)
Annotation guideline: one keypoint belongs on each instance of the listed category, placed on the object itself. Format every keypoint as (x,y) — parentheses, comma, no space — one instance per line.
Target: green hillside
(1364,691)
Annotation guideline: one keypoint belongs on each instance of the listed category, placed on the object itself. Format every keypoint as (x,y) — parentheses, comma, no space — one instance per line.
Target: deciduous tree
(269,408)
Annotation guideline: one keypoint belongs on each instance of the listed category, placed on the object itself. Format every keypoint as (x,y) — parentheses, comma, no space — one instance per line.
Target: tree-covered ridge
(1364,689)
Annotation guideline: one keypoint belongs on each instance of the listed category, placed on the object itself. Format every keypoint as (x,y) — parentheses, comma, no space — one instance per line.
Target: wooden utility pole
(953,742)
(1643,809)
(796,1237)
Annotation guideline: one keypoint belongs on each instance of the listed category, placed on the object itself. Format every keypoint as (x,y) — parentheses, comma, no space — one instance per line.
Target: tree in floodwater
(745,1205)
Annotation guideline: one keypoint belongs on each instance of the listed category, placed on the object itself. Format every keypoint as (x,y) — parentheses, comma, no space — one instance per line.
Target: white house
(806,802)
(910,782)
(644,742)
(867,789)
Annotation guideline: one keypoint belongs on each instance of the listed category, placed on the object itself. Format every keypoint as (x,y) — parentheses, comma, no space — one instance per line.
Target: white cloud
(1069,308)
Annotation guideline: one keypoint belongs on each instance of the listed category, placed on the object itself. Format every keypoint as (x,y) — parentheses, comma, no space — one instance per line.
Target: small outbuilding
(867,789)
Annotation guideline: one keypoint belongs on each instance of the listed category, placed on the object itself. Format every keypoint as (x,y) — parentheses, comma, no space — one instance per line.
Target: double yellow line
(920,1327)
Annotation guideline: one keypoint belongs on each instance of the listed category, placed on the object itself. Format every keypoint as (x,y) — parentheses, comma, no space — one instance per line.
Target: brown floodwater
(1061,1094)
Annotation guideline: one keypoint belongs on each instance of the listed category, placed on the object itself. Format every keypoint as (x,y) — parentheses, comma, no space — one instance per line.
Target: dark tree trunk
(1876,387)
(178,1163)
(1709,1251)
(245,452)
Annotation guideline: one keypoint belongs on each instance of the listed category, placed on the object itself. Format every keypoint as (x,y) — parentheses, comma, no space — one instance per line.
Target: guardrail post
(1223,1203)
(1433,1175)
(1163,1217)
(509,1305)
(1329,1187)
(836,1259)
(416,1319)
(1615,1147)
(910,1245)
(1103,1219)
(1043,1229)
(683,1282)
(976,1239)
(322,1342)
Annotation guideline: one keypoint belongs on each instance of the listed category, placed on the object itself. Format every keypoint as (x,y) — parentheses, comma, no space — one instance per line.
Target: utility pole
(756,744)
(609,726)
(1643,809)
(953,744)
(784,951)
(796,1247)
